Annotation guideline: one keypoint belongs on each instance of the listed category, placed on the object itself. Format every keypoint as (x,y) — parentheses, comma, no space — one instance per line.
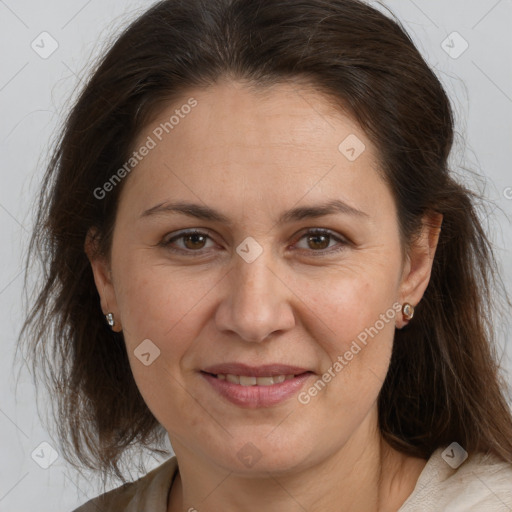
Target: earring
(408,311)
(110,319)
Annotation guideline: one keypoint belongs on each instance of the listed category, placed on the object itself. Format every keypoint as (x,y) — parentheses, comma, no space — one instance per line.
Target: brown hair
(444,381)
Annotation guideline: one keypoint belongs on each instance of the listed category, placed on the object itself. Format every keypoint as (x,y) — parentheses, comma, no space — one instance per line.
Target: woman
(255,246)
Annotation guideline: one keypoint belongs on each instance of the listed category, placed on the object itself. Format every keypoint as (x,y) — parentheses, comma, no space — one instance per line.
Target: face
(265,280)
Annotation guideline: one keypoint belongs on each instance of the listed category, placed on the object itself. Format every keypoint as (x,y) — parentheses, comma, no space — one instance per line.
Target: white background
(34,95)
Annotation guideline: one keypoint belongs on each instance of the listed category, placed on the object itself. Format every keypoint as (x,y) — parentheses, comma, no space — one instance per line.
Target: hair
(444,383)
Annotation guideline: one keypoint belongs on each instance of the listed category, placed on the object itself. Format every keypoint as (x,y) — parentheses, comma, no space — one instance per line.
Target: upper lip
(268,370)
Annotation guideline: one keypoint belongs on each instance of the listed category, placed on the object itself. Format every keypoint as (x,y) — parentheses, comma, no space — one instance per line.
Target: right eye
(193,242)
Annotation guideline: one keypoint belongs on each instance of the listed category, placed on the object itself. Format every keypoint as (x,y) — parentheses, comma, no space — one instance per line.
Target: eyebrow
(295,214)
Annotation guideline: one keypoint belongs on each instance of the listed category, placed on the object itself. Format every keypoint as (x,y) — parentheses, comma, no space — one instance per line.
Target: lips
(257,395)
(256,386)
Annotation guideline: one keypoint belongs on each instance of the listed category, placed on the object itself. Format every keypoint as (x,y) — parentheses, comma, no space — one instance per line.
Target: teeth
(245,380)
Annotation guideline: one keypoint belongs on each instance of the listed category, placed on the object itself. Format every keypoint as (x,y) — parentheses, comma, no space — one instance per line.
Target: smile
(246,380)
(256,392)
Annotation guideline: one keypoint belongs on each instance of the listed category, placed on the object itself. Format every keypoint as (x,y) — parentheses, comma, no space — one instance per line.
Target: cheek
(160,302)
(349,302)
(166,306)
(354,323)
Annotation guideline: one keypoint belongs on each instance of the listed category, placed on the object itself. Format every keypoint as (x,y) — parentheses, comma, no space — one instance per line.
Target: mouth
(256,387)
(251,380)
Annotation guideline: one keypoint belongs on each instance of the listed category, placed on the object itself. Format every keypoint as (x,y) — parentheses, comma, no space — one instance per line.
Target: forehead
(282,142)
(284,113)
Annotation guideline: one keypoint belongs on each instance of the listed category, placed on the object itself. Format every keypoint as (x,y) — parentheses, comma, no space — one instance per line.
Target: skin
(252,155)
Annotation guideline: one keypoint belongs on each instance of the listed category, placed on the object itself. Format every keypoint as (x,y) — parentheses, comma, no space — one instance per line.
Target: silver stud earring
(110,319)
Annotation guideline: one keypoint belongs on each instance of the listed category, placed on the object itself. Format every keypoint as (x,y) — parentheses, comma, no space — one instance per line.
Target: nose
(257,302)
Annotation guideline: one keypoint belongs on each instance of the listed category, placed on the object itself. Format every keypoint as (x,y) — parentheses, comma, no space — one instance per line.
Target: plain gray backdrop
(47,48)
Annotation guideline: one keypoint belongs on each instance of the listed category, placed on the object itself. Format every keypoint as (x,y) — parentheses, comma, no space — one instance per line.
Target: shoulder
(481,482)
(149,492)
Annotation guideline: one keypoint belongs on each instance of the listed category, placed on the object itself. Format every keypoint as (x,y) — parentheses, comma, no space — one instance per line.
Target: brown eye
(194,241)
(186,242)
(322,242)
(318,241)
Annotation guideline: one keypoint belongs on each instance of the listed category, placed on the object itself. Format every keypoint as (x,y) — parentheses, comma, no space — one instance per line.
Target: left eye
(318,240)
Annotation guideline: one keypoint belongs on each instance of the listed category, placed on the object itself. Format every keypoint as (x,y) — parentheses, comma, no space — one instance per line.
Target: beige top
(480,484)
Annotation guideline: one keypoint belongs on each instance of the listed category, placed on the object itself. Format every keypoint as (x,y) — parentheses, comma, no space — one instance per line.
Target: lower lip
(257,396)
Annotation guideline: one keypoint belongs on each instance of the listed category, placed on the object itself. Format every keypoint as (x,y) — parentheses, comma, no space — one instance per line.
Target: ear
(418,267)
(102,278)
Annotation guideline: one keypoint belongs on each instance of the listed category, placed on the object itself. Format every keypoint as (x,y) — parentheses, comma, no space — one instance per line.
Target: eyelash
(311,232)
